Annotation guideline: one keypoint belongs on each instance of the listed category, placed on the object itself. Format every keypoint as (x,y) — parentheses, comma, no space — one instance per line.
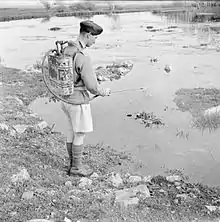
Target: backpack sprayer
(57,70)
(58,76)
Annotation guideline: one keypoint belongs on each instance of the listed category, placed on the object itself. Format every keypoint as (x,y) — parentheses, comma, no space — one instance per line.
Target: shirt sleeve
(84,67)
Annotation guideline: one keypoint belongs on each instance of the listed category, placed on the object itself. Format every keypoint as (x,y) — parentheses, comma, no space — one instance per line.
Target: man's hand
(107,92)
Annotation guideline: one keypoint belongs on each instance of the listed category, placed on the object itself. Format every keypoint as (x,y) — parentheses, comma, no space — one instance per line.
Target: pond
(191,50)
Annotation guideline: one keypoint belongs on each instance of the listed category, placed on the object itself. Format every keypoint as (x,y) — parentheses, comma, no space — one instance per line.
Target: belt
(80,88)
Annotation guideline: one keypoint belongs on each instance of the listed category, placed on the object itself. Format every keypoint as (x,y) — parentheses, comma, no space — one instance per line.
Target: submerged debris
(114,71)
(149,119)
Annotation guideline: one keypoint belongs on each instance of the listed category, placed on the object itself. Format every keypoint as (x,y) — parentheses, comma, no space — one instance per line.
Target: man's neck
(82,41)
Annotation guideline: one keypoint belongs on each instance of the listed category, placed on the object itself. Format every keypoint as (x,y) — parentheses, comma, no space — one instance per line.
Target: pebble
(21,176)
(85,182)
(27,195)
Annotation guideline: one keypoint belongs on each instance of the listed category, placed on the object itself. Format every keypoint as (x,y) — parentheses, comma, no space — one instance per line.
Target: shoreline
(34,183)
(7,15)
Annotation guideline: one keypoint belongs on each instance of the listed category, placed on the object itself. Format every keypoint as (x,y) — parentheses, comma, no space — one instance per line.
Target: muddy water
(125,37)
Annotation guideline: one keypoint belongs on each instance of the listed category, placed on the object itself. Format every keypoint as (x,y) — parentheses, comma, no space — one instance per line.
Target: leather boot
(70,154)
(77,167)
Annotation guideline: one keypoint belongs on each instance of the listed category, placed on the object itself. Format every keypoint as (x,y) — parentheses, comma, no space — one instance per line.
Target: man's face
(90,39)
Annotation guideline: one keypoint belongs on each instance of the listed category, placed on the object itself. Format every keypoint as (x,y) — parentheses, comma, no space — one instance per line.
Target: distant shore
(82,11)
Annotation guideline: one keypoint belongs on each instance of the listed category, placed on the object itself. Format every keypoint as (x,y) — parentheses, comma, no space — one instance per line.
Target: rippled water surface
(126,37)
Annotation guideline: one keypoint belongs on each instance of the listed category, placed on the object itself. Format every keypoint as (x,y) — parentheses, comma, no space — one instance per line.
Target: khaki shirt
(85,77)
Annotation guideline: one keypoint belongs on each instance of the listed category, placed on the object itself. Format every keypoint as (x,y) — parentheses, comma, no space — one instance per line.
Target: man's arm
(84,67)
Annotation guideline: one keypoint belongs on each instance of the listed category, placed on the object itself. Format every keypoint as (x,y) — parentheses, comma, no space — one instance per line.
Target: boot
(70,154)
(77,167)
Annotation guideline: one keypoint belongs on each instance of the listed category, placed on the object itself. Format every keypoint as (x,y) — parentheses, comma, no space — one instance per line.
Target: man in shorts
(78,113)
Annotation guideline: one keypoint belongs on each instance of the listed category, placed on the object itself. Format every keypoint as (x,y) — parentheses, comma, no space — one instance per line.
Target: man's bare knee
(79,138)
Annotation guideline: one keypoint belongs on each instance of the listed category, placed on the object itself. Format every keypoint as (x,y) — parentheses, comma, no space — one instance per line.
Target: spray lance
(123,90)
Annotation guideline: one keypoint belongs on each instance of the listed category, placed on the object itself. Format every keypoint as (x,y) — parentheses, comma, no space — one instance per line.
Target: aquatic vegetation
(148,119)
(182,134)
(210,122)
(197,100)
(114,71)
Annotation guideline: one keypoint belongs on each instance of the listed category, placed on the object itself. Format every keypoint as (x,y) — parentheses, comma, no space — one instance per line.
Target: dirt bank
(34,184)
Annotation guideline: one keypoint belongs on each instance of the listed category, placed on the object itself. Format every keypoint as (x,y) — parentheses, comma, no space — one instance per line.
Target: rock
(68,184)
(19,115)
(212,208)
(27,195)
(3,126)
(12,133)
(177,183)
(21,176)
(182,196)
(94,176)
(20,128)
(35,115)
(125,198)
(149,27)
(173,178)
(54,28)
(42,125)
(13,213)
(167,68)
(128,196)
(142,189)
(1,83)
(39,220)
(147,179)
(134,179)
(127,175)
(15,98)
(85,182)
(67,219)
(116,180)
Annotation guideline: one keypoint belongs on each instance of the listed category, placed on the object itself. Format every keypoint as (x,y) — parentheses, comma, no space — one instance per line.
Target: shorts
(79,117)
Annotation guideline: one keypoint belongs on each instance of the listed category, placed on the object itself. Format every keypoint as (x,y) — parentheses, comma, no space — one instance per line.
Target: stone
(85,182)
(142,189)
(94,176)
(20,128)
(67,219)
(182,196)
(212,208)
(116,179)
(167,68)
(3,126)
(21,176)
(177,183)
(19,101)
(147,179)
(42,125)
(134,179)
(39,220)
(28,195)
(68,184)
(173,178)
(12,133)
(128,196)
(35,115)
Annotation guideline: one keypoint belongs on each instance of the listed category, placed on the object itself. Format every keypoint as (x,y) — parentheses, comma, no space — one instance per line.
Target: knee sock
(70,153)
(77,151)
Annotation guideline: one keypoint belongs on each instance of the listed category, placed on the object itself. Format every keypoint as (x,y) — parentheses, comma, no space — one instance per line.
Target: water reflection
(179,17)
(115,21)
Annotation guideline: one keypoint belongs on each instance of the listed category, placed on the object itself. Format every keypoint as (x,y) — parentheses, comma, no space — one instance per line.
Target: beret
(90,27)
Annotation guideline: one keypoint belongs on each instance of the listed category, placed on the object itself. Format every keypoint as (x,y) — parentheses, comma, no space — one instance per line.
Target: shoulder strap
(74,66)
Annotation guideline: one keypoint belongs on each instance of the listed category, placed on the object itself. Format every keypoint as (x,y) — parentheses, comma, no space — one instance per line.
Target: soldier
(79,114)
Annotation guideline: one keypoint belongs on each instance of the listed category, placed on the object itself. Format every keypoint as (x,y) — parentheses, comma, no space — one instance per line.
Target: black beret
(90,27)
